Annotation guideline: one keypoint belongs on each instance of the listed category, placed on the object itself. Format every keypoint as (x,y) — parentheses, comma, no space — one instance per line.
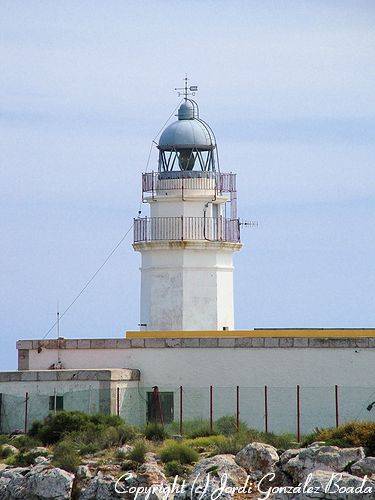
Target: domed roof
(187,132)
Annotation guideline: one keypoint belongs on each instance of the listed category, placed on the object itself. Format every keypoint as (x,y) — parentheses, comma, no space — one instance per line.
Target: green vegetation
(24,442)
(227,426)
(66,456)
(177,451)
(5,452)
(174,468)
(346,435)
(72,435)
(192,428)
(139,451)
(155,432)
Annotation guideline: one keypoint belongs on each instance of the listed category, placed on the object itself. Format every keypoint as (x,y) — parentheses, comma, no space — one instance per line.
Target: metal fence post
(181,425)
(26,410)
(265,408)
(118,401)
(238,408)
(298,415)
(337,404)
(211,408)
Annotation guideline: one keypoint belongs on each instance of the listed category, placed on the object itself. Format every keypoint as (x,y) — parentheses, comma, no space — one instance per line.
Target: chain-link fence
(298,410)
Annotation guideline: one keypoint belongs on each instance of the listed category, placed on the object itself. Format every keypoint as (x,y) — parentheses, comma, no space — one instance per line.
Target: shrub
(55,426)
(228,425)
(181,452)
(93,439)
(103,430)
(109,437)
(192,428)
(4,439)
(24,442)
(127,433)
(174,468)
(25,458)
(106,420)
(66,456)
(138,452)
(205,443)
(350,434)
(155,432)
(5,452)
(88,449)
(231,444)
(279,441)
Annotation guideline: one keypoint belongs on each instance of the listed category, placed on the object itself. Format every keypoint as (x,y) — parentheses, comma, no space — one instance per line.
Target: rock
(328,458)
(326,485)
(151,474)
(206,477)
(9,450)
(287,455)
(364,467)
(258,459)
(18,487)
(41,460)
(125,449)
(50,483)
(316,443)
(15,471)
(150,457)
(83,472)
(101,488)
(4,481)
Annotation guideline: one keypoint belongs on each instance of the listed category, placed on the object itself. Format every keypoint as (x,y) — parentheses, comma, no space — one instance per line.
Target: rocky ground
(281,476)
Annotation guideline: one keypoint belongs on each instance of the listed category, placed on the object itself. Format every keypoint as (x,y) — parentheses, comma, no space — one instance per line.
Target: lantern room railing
(186,228)
(154,182)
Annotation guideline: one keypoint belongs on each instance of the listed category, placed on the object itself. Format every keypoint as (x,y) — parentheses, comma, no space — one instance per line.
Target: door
(160,407)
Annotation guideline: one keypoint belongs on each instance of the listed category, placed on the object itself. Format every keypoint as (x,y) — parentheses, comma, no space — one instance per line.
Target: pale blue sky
(288,87)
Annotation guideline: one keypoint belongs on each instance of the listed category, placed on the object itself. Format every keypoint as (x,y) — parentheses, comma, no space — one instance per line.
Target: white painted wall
(176,281)
(315,370)
(179,282)
(279,367)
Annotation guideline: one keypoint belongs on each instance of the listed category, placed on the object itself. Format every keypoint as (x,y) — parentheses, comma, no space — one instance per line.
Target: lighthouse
(188,240)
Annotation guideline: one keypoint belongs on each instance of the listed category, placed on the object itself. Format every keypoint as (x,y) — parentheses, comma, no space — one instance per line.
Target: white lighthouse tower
(187,242)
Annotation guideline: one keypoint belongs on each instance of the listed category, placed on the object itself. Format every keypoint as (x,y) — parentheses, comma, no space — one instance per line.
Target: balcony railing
(154,182)
(186,228)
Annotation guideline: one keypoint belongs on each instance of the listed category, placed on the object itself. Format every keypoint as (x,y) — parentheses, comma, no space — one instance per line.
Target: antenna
(58,332)
(187,90)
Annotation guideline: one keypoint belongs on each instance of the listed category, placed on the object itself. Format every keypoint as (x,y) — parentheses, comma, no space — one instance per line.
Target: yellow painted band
(267,332)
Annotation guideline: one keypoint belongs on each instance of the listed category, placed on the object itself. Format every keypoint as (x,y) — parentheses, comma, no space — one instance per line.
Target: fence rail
(153,182)
(186,228)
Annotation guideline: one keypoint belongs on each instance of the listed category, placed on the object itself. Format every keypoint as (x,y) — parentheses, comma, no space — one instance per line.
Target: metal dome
(188,132)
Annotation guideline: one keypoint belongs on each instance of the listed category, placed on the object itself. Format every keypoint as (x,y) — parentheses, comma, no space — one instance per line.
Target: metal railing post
(298,415)
(211,408)
(238,408)
(265,409)
(181,417)
(26,410)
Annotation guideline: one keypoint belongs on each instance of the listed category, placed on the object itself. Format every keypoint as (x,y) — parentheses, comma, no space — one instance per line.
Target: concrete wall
(26,395)
(197,366)
(176,279)
(316,364)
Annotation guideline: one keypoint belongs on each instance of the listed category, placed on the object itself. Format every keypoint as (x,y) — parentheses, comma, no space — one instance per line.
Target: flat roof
(256,333)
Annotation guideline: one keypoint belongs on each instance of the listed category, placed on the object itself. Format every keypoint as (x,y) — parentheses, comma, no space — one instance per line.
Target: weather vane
(187,90)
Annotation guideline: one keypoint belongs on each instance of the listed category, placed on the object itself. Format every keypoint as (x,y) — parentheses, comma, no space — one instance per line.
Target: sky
(288,88)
